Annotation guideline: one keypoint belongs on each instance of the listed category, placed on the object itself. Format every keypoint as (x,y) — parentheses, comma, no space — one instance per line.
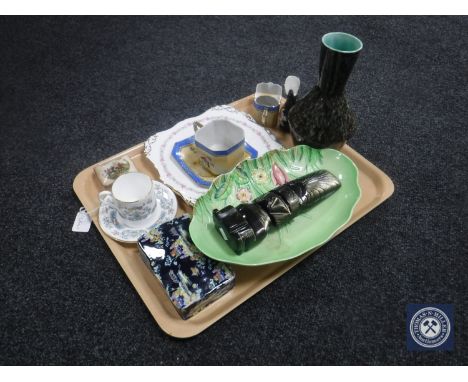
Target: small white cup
(133,197)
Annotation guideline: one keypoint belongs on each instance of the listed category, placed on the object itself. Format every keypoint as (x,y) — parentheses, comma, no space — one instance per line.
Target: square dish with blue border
(202,181)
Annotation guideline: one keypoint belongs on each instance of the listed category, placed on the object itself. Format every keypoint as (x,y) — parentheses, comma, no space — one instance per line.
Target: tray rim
(387,187)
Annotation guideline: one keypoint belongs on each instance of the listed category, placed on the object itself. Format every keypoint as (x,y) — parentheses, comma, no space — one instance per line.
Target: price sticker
(82,221)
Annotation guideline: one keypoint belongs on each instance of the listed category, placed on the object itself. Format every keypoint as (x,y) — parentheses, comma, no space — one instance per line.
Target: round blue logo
(430,327)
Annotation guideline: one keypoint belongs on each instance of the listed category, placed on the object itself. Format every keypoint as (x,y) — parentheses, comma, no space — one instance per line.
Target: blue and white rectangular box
(191,280)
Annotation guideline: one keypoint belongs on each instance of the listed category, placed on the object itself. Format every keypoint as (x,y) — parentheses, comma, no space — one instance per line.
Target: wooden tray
(376,187)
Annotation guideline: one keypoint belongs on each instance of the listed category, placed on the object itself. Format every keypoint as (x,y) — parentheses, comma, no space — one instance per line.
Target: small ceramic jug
(267,102)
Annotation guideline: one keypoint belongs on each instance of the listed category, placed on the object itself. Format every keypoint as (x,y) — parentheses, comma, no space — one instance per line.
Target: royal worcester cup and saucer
(135,204)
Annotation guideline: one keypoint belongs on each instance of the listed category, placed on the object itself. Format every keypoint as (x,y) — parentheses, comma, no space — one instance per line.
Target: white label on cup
(82,221)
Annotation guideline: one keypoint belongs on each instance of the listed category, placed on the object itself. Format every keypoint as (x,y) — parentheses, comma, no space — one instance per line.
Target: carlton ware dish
(188,157)
(253,178)
(158,148)
(119,229)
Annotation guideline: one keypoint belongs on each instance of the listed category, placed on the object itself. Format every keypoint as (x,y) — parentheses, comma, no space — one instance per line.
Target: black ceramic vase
(323,118)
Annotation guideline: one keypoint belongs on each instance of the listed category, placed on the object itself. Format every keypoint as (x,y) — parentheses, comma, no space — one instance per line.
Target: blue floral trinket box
(191,280)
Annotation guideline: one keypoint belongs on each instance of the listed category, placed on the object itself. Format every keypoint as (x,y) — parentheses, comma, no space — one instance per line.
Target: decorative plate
(187,156)
(158,148)
(255,177)
(166,210)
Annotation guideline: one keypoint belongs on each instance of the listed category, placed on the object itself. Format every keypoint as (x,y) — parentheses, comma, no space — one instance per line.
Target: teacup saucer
(114,227)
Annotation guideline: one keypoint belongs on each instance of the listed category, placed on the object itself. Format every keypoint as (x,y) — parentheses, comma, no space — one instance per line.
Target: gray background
(74,91)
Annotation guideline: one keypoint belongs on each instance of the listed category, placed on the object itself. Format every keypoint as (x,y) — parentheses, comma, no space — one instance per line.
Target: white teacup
(133,197)
(221,144)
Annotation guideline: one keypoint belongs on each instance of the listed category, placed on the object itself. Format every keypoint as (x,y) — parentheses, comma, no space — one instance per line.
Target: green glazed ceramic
(342,42)
(254,177)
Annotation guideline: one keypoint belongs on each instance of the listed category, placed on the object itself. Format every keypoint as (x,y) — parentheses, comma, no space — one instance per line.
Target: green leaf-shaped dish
(254,177)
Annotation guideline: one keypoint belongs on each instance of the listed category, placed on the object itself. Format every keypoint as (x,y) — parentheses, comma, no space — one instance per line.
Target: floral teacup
(133,198)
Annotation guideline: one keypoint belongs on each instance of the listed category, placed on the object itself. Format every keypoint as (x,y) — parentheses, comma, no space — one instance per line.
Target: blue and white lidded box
(191,280)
